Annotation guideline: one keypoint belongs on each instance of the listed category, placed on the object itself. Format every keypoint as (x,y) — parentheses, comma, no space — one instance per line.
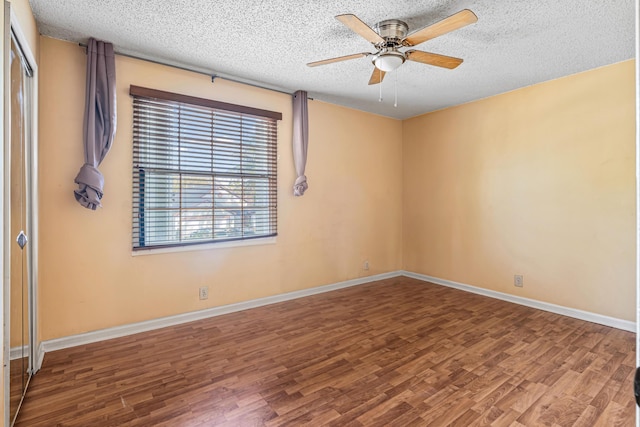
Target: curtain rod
(194,70)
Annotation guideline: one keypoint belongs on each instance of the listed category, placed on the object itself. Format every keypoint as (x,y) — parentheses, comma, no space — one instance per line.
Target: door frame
(31,154)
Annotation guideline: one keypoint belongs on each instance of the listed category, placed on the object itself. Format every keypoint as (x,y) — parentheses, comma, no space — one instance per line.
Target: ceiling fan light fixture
(388,61)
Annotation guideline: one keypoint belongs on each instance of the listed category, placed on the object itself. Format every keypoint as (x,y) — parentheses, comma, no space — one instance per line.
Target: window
(203,171)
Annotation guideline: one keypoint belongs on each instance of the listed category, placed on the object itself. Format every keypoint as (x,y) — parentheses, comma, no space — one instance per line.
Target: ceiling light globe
(388,61)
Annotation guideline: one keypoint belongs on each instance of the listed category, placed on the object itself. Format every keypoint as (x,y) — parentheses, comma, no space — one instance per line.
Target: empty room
(356,213)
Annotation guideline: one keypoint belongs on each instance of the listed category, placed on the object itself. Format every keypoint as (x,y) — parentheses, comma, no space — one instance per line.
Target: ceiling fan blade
(338,59)
(359,27)
(433,59)
(455,21)
(376,76)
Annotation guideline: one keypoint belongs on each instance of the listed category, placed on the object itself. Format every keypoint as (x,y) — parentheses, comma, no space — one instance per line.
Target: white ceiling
(515,43)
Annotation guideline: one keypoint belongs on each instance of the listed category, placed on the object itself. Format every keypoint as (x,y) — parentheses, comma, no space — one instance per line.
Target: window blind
(201,173)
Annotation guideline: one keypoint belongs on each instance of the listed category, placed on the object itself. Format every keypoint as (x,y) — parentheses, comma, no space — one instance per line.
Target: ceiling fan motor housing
(392,30)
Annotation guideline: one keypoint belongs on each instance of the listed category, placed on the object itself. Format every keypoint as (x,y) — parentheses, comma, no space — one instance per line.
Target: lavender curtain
(300,140)
(99,121)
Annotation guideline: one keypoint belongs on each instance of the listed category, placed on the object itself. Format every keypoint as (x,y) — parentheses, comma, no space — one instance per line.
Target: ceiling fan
(390,36)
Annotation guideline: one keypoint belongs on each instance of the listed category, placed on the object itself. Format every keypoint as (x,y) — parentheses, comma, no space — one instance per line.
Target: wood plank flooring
(397,352)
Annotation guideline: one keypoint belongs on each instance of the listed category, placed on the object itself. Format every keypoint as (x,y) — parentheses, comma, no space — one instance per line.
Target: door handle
(22,239)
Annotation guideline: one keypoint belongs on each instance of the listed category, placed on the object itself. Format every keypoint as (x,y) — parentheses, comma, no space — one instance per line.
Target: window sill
(206,246)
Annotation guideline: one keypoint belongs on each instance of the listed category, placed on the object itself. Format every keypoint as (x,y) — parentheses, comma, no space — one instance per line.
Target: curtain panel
(99,121)
(300,140)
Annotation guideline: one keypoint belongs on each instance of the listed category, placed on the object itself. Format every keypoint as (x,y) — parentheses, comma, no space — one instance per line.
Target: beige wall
(538,182)
(88,278)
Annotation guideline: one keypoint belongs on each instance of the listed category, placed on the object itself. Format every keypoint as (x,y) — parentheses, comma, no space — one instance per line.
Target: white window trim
(259,241)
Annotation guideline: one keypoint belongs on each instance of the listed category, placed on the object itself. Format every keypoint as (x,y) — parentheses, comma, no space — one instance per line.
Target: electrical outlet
(204,292)
(518,280)
(366,265)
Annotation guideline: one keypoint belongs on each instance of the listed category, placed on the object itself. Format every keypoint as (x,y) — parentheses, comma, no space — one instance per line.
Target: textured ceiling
(515,43)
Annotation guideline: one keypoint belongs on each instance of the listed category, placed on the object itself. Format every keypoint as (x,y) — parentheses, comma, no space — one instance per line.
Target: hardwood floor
(398,352)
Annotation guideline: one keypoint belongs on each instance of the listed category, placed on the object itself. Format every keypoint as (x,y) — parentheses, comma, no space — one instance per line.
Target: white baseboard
(18,352)
(21,351)
(613,322)
(148,325)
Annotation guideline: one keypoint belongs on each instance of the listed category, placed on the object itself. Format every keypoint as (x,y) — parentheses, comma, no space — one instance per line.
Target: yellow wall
(88,278)
(538,182)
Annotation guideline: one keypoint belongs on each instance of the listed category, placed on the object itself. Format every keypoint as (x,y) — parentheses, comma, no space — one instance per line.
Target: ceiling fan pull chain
(395,104)
(380,87)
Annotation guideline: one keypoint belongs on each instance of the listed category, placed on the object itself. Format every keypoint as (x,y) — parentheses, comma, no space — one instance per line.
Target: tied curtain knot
(90,184)
(300,186)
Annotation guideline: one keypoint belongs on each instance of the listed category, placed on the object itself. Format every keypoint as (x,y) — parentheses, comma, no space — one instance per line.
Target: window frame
(141,196)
